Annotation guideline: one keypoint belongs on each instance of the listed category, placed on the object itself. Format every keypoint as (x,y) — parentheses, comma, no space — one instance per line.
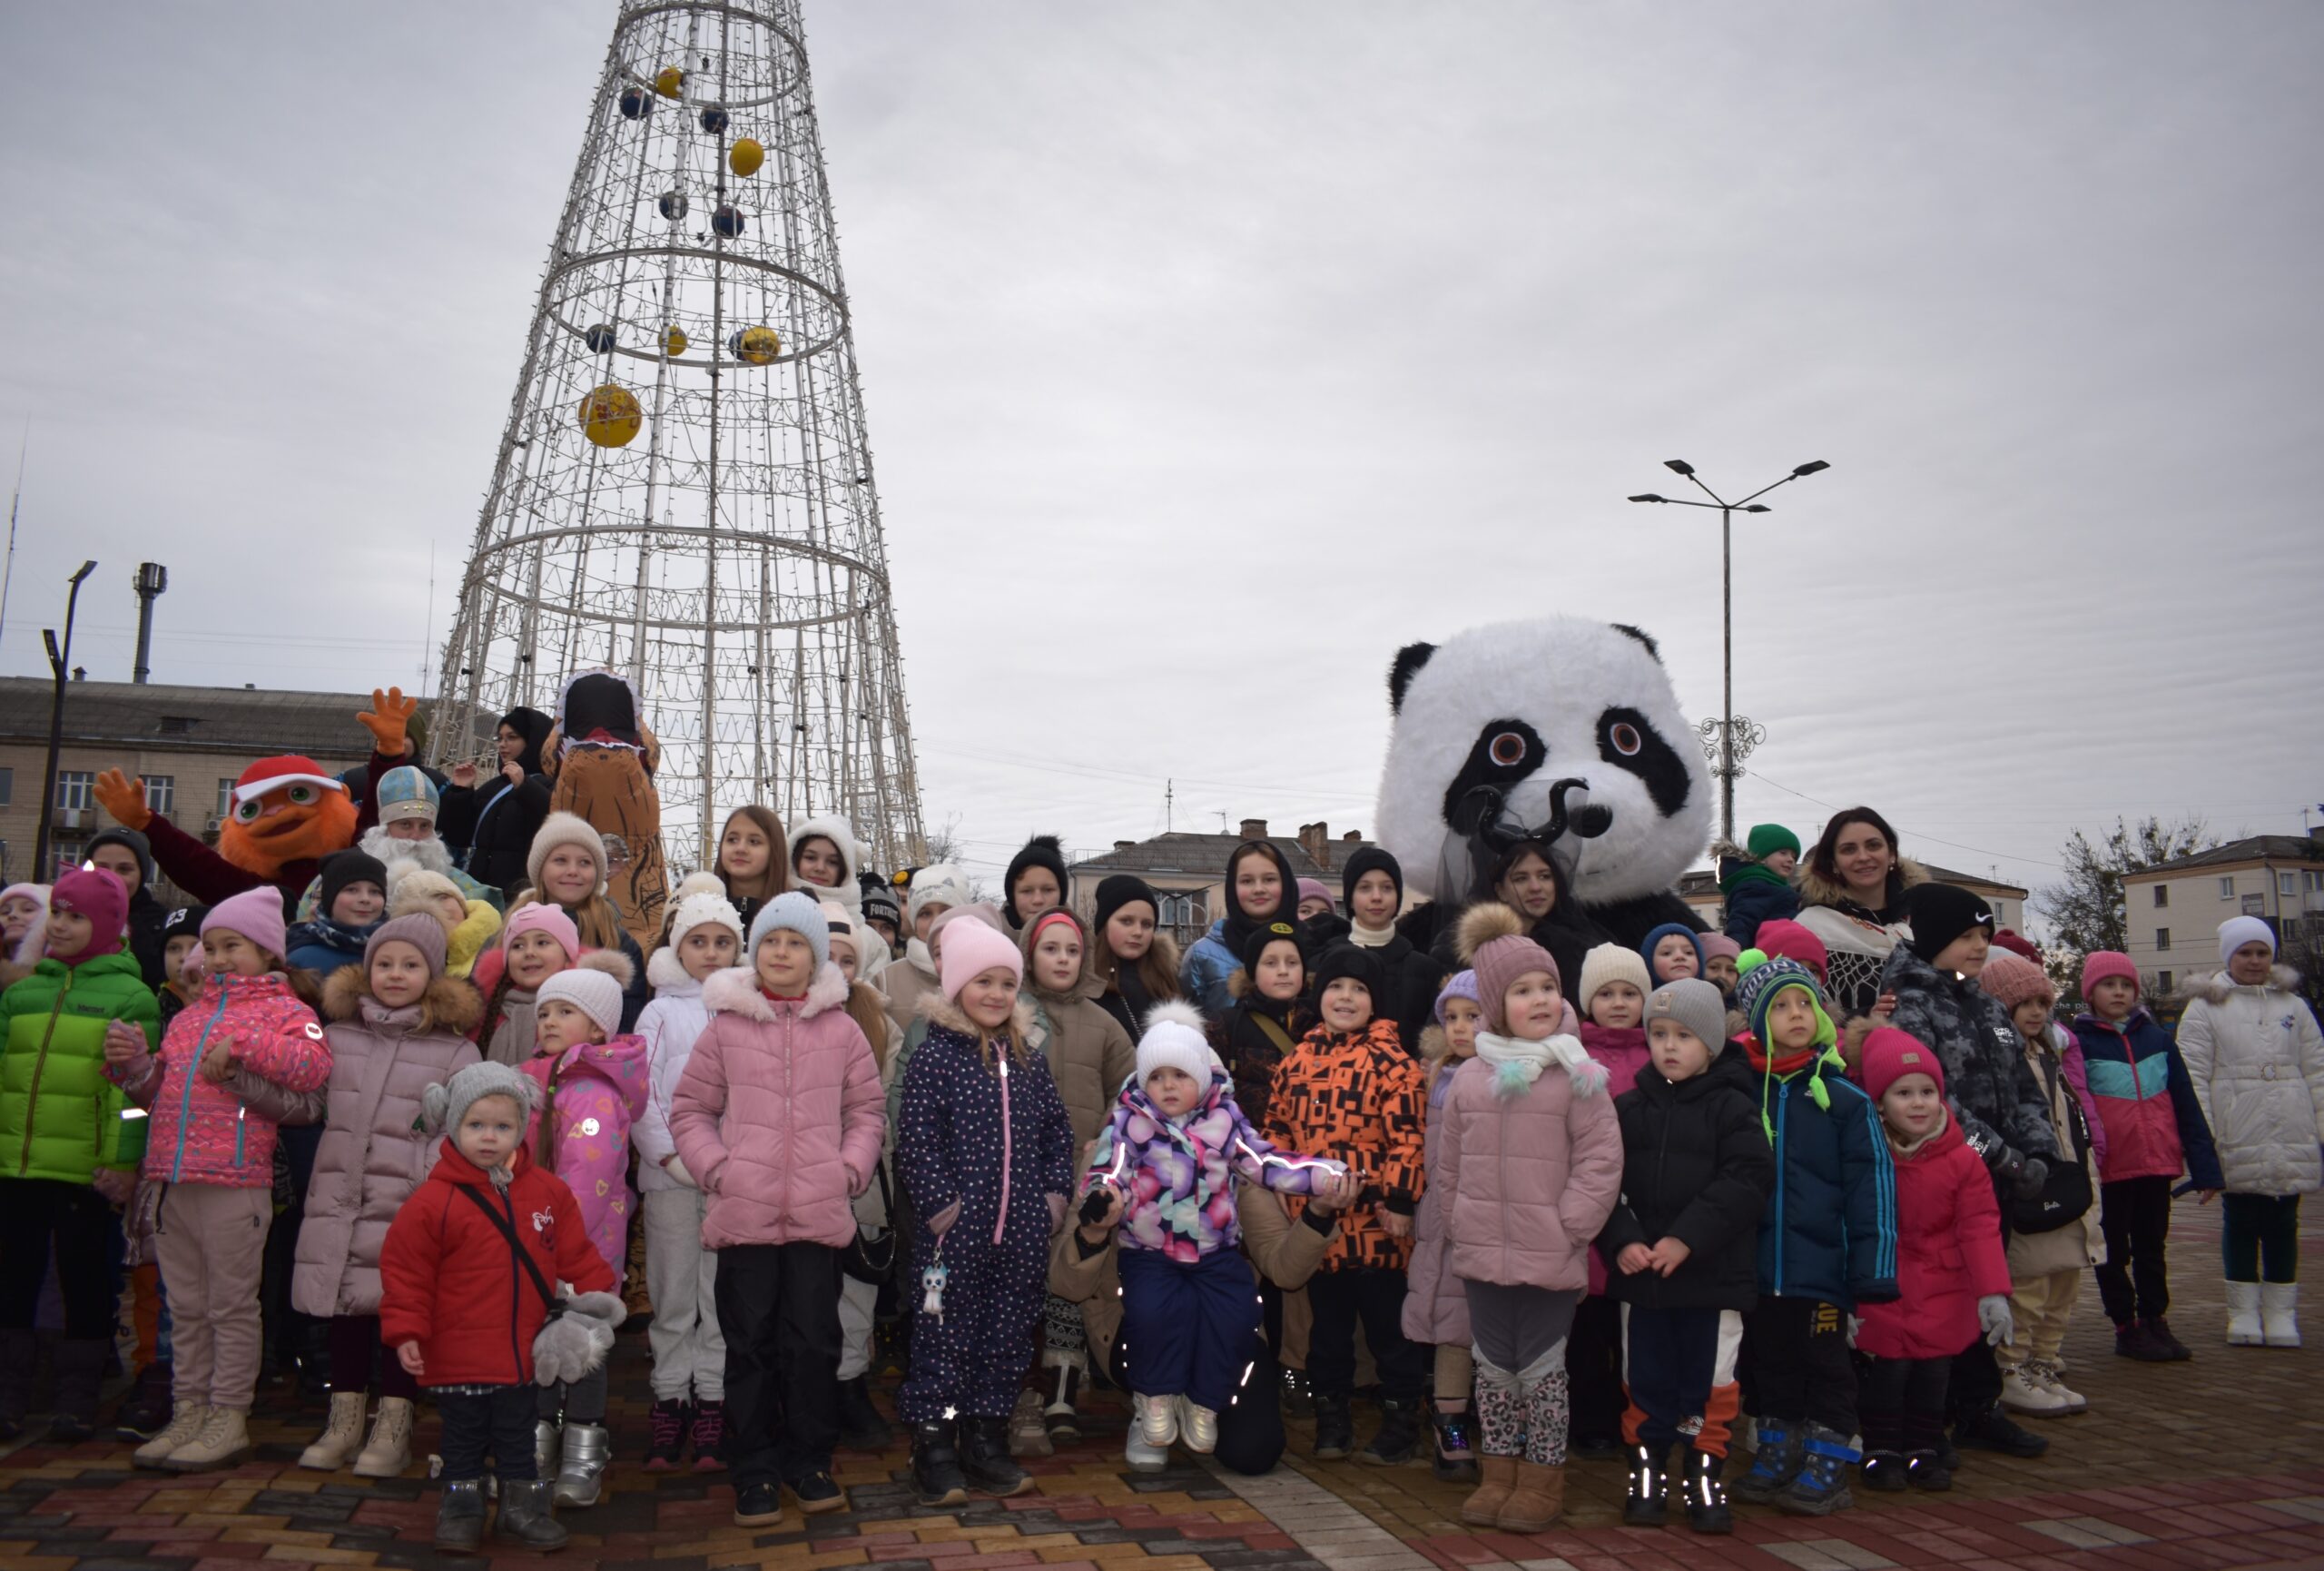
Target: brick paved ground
(2216,1463)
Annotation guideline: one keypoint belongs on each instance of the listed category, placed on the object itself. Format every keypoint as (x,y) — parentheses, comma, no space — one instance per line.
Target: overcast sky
(1211,353)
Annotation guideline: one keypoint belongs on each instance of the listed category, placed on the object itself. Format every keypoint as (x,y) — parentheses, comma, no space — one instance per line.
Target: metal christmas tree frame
(684,492)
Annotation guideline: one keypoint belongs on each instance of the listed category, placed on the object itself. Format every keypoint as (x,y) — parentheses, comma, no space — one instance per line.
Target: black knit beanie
(1941,913)
(1349,961)
(346,867)
(1267,933)
(1369,859)
(1118,890)
(1041,851)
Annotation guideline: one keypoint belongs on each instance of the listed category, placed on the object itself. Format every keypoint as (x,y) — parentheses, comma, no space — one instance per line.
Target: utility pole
(58,659)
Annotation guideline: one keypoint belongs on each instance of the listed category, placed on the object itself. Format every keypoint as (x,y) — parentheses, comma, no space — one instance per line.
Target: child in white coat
(689,1378)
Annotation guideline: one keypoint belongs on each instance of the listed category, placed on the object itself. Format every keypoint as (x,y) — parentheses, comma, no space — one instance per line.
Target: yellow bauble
(674,342)
(745,156)
(610,416)
(758,345)
(668,79)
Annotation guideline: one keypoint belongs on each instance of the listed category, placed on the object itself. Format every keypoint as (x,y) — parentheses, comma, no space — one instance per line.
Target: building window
(160,793)
(2227,887)
(2284,884)
(74,789)
(225,797)
(2162,938)
(2162,982)
(2163,894)
(68,854)
(7,788)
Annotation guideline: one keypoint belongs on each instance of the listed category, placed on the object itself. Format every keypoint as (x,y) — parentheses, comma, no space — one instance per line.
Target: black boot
(528,1514)
(19,1356)
(936,1464)
(985,1460)
(1398,1436)
(1994,1430)
(145,1411)
(80,1365)
(460,1518)
(1647,1504)
(1334,1428)
(1455,1451)
(1706,1509)
(860,1427)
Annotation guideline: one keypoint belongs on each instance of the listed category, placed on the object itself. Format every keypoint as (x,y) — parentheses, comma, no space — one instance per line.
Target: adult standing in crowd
(494,820)
(1852,898)
(125,854)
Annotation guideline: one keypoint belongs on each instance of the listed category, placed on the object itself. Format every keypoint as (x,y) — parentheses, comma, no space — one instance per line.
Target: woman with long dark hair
(1852,897)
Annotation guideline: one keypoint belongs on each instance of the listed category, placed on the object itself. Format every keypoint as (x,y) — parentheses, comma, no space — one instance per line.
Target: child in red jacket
(1952,1273)
(461,1311)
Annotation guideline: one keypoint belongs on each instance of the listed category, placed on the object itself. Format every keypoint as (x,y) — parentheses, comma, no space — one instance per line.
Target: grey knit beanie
(1695,1004)
(444,1106)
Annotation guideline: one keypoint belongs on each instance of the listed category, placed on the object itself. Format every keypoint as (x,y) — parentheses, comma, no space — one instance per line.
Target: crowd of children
(1548,1189)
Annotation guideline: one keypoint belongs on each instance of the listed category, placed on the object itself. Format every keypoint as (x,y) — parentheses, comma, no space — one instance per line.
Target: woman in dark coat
(494,821)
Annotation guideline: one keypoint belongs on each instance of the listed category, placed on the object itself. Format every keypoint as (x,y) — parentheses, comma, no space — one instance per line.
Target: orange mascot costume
(287,815)
(600,764)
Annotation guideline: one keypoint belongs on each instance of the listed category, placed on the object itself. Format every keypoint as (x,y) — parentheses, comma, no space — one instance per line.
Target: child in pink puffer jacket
(593,1088)
(780,1119)
(216,1155)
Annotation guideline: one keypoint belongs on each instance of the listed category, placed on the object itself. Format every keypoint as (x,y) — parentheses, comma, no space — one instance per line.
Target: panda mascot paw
(1562,733)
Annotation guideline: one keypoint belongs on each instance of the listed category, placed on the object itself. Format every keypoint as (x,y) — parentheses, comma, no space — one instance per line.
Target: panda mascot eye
(1507,749)
(1625,738)
(1629,740)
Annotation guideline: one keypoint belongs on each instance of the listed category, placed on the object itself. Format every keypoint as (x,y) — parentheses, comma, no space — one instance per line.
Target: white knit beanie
(702,900)
(2238,931)
(1611,963)
(940,883)
(564,829)
(590,986)
(1174,1038)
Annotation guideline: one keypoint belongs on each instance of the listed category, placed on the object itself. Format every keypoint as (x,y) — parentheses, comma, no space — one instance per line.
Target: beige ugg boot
(1535,1503)
(390,1450)
(1483,1506)
(342,1434)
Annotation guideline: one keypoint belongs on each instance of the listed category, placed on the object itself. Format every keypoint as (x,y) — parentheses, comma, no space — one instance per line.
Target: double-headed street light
(1733,742)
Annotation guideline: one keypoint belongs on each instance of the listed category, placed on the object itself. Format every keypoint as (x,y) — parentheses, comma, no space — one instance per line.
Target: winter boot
(2177,1351)
(1821,1486)
(1334,1428)
(528,1514)
(1063,1417)
(1994,1430)
(707,1434)
(2022,1391)
(185,1423)
(1454,1454)
(388,1452)
(1773,1465)
(1926,1470)
(581,1471)
(224,1440)
(985,1460)
(1028,1428)
(1706,1510)
(145,1411)
(1647,1504)
(1483,1508)
(860,1427)
(1298,1395)
(936,1464)
(818,1492)
(2244,1327)
(1142,1458)
(1535,1499)
(80,1366)
(342,1437)
(19,1356)
(2279,1314)
(2134,1340)
(459,1516)
(666,1423)
(1397,1439)
(1882,1472)
(548,1439)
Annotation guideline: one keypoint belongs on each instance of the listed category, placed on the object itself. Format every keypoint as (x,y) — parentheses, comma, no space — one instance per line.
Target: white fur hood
(736,991)
(664,972)
(2216,989)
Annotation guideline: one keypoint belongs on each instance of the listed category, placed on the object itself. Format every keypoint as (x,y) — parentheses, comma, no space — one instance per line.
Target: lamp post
(59,661)
(1749,736)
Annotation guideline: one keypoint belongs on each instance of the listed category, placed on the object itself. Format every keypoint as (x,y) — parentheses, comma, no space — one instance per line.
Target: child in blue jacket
(1828,1242)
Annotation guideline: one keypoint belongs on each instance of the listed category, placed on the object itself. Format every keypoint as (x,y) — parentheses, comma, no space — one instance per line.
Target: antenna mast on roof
(1170,798)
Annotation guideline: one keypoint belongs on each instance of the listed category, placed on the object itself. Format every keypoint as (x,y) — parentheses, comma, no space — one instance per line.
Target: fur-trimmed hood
(939,1009)
(450,1004)
(736,991)
(664,972)
(1815,890)
(2216,989)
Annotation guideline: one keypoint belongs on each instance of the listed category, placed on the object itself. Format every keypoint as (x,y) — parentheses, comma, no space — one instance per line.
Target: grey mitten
(576,1342)
(1994,1318)
(2032,1177)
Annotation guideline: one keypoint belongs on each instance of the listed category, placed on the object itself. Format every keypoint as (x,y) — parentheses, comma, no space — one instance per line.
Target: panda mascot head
(1563,733)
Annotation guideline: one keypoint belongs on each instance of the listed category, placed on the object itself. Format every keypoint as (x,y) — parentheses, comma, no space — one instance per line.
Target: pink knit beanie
(2101,963)
(255,913)
(542,917)
(971,949)
(97,895)
(2014,980)
(1501,962)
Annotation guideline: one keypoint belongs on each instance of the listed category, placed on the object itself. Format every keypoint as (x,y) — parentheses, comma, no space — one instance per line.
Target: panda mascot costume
(1563,736)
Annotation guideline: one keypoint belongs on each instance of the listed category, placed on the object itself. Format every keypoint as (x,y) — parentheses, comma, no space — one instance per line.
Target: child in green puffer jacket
(62,1133)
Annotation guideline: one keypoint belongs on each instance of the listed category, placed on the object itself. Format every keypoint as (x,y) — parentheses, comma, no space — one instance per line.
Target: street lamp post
(59,663)
(1734,743)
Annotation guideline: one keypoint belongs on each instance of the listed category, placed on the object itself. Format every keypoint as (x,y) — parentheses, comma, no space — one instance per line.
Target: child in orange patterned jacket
(1349,1092)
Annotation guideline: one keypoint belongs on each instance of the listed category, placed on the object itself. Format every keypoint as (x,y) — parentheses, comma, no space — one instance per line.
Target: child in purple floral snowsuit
(1169,1156)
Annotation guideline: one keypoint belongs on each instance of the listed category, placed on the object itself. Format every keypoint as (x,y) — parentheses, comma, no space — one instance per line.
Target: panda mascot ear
(1409,660)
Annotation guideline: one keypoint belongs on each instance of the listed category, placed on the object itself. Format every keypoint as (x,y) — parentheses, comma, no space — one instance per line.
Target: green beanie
(1766,839)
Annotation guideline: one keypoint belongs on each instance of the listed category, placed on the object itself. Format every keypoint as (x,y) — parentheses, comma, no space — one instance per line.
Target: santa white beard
(431,854)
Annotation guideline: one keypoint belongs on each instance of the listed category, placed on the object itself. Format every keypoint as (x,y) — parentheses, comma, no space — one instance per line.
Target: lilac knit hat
(1459,985)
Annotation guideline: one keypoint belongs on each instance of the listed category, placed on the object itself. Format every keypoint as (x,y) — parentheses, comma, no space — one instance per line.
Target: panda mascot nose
(1583,819)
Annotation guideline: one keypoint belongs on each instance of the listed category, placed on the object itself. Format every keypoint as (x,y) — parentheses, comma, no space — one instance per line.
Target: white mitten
(1992,1314)
(576,1341)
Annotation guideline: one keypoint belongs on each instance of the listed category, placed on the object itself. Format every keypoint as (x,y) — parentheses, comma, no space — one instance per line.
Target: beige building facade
(2172,911)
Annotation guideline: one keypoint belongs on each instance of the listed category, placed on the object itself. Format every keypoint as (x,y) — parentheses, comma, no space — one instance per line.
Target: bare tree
(2086,909)
(945,845)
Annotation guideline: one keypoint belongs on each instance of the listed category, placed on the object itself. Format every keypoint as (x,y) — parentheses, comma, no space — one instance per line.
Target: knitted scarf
(1773,1069)
(1517,1063)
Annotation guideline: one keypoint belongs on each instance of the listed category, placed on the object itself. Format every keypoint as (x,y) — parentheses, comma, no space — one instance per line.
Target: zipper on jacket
(1001,1220)
(185,1094)
(1783,1116)
(1500,1175)
(32,1097)
(516,1288)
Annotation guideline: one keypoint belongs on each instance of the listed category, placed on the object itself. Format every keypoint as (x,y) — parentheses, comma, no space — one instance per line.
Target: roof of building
(1206,854)
(207,719)
(2251,848)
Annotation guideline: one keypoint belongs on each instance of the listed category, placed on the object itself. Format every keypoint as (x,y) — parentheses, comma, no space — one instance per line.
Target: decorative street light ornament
(672,205)
(600,338)
(610,416)
(727,220)
(1748,735)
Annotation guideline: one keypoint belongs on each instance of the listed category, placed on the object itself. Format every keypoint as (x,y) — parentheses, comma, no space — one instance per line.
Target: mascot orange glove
(124,798)
(386,719)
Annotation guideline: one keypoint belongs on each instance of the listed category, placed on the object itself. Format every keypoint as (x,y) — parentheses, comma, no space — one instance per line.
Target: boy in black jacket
(1681,1248)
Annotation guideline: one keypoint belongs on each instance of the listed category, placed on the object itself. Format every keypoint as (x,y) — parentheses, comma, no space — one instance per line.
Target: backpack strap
(1274,1032)
(506,1229)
